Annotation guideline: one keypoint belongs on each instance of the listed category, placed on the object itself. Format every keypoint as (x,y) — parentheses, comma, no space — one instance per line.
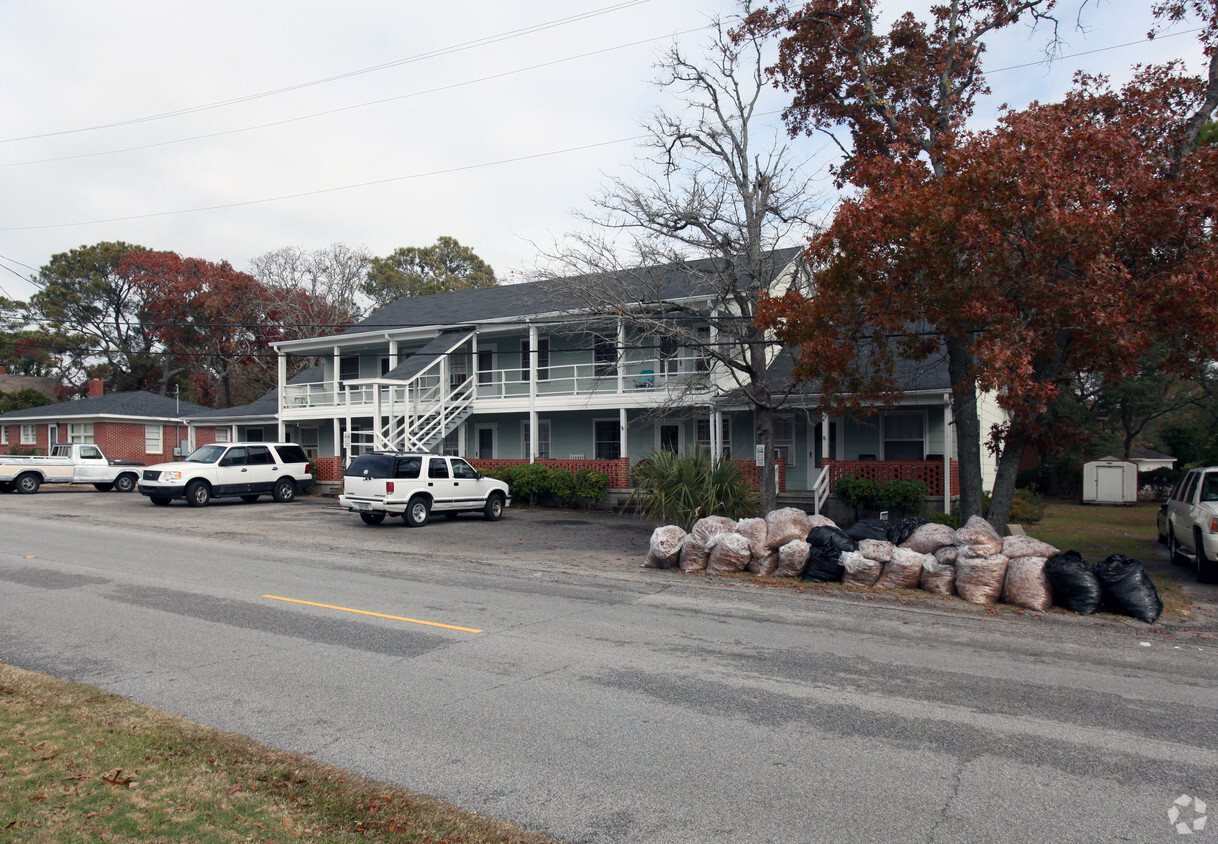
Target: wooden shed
(1110,480)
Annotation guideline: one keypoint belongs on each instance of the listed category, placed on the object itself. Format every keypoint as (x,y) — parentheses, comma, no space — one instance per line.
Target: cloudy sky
(228,128)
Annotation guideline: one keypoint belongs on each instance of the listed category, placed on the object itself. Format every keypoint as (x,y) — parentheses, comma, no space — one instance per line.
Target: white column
(824,438)
(337,368)
(338,438)
(620,357)
(622,431)
(532,393)
(282,377)
(393,354)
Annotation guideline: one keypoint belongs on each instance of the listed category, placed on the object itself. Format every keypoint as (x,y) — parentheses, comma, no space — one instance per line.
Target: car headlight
(171,476)
(1214,524)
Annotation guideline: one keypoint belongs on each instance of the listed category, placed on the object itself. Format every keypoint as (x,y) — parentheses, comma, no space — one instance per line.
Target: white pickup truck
(68,463)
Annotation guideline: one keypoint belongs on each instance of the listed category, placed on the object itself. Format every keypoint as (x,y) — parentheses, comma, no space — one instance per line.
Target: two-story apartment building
(519,373)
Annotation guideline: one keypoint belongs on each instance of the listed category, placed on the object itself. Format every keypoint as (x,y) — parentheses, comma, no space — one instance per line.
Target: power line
(367,104)
(442,51)
(321,191)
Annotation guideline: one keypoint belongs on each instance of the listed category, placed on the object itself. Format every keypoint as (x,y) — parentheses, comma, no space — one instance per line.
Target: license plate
(363,505)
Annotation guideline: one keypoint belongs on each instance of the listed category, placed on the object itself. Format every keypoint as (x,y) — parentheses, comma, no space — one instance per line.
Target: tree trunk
(1004,483)
(763,431)
(968,426)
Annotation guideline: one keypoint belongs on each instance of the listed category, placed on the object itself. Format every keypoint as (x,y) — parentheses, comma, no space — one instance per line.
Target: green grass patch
(80,764)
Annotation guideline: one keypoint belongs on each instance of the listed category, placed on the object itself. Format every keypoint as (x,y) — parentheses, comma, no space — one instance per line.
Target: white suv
(248,470)
(413,484)
(1192,522)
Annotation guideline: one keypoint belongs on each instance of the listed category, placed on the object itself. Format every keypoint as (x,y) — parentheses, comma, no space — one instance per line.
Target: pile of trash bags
(973,562)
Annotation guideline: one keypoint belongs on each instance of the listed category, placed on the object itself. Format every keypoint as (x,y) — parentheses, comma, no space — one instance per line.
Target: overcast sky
(229,128)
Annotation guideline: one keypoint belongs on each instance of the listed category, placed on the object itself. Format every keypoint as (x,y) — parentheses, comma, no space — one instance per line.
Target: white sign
(761,455)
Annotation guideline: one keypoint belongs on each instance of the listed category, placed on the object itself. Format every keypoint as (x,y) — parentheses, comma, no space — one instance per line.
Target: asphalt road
(573,693)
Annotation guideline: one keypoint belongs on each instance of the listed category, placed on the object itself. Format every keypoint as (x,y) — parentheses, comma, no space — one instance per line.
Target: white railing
(583,379)
(820,489)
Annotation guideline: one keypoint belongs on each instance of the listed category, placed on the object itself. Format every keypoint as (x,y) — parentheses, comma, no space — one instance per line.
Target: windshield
(206,454)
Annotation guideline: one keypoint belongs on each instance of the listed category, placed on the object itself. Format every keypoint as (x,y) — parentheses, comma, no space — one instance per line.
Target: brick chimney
(95,387)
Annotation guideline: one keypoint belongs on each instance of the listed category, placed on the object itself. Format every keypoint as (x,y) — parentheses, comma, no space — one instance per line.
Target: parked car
(1192,522)
(248,470)
(413,484)
(68,463)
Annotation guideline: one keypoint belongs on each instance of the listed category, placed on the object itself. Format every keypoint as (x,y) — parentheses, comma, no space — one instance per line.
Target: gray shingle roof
(646,284)
(136,404)
(265,406)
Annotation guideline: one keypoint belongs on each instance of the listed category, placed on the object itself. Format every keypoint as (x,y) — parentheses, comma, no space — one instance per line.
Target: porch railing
(582,379)
(929,472)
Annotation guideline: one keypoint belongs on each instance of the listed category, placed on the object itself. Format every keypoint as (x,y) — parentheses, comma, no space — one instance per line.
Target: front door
(668,436)
(815,451)
(484,436)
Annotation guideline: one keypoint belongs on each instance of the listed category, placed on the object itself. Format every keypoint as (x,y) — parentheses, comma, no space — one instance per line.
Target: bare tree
(310,294)
(710,206)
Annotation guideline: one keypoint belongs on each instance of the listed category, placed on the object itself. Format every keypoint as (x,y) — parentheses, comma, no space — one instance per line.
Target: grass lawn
(80,764)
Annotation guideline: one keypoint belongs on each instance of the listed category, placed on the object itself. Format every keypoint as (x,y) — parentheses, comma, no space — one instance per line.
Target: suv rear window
(385,466)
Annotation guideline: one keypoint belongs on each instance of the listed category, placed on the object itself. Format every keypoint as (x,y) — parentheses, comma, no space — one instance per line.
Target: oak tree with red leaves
(210,319)
(1071,237)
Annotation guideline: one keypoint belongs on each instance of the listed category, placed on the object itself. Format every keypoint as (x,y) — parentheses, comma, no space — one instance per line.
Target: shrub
(906,497)
(949,519)
(679,489)
(856,492)
(590,487)
(562,485)
(1026,507)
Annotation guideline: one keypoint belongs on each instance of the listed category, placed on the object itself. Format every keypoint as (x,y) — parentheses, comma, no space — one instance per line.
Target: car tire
(493,511)
(28,484)
(159,501)
(103,487)
(285,491)
(372,518)
(124,483)
(250,499)
(1207,569)
(417,511)
(198,494)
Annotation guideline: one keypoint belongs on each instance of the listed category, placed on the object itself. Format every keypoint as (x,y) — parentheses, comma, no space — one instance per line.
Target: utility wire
(442,51)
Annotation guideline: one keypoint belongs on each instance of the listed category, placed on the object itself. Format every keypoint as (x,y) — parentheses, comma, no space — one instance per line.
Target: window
(461,469)
(90,452)
(452,444)
(607,440)
(80,432)
(222,435)
(308,440)
(604,356)
(543,359)
(904,436)
(235,457)
(408,468)
(384,365)
(260,455)
(458,369)
(154,442)
(438,468)
(784,439)
(254,435)
(702,348)
(702,435)
(29,435)
(543,439)
(668,352)
(348,368)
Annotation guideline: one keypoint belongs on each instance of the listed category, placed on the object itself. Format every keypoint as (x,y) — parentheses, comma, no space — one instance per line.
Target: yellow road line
(377,614)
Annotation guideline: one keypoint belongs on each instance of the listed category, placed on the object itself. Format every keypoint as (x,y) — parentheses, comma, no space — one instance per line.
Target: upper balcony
(642,381)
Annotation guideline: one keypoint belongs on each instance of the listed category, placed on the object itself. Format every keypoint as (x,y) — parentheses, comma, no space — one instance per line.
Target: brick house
(133,425)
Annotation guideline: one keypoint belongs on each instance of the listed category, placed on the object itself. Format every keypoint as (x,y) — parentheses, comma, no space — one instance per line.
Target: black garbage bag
(1127,588)
(1075,586)
(826,545)
(898,532)
(868,529)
